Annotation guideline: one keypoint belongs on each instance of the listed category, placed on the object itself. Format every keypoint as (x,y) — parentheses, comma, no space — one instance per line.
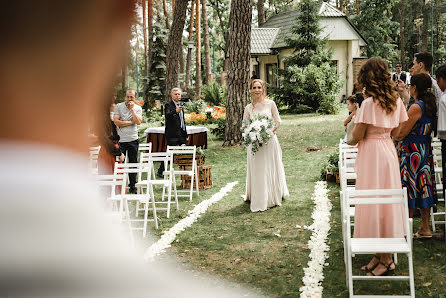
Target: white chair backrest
(147,147)
(380,197)
(136,168)
(165,157)
(95,150)
(184,150)
(93,159)
(110,180)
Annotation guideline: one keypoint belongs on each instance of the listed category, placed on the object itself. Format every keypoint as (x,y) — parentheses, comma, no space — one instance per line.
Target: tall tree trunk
(357,7)
(207,48)
(182,61)
(166,14)
(425,26)
(238,69)
(228,41)
(174,45)
(150,25)
(346,7)
(197,50)
(261,11)
(144,25)
(402,40)
(189,50)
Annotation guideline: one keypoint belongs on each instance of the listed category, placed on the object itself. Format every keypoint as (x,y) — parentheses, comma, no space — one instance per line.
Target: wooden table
(197,135)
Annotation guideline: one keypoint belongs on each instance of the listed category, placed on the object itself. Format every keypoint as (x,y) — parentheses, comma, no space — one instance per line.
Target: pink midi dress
(377,167)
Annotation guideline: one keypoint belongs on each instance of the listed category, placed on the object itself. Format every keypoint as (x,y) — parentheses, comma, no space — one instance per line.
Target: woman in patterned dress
(415,152)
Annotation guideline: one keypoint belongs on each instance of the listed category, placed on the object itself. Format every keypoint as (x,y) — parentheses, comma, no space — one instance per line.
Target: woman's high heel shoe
(366,268)
(389,270)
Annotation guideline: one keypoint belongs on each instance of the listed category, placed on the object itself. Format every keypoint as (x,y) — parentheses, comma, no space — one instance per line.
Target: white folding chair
(192,172)
(438,169)
(145,147)
(143,198)
(147,184)
(93,159)
(116,203)
(357,246)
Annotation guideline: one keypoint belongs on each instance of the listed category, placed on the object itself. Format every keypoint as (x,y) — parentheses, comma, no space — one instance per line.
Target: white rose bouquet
(257,132)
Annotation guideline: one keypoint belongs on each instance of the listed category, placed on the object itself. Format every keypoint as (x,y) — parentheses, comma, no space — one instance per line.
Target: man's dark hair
(426,58)
(398,65)
(441,72)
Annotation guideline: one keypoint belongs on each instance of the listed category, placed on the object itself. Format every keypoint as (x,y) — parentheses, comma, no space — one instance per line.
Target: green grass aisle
(243,247)
(240,246)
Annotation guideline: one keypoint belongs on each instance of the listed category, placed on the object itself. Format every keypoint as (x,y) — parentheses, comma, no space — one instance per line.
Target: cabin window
(335,63)
(271,73)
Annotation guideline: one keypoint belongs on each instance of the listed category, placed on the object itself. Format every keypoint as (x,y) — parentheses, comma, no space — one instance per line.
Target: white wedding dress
(265,175)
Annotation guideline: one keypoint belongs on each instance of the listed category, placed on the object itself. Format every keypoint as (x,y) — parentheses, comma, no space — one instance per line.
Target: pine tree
(306,39)
(155,82)
(378,28)
(308,82)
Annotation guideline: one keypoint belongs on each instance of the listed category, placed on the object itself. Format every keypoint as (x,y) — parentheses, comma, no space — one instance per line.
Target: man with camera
(175,131)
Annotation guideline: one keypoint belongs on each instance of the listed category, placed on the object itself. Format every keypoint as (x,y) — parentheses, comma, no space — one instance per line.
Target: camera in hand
(183,101)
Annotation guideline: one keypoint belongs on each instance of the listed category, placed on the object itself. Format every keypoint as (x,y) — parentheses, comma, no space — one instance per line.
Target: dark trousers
(131,148)
(177,142)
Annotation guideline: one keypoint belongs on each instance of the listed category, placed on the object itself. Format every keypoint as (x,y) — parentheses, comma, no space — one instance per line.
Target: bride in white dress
(265,175)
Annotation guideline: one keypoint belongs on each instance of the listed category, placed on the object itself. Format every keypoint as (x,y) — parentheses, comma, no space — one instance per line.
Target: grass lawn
(230,242)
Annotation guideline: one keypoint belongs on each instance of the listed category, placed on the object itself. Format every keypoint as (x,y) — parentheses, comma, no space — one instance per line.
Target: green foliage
(377,28)
(308,83)
(219,129)
(195,106)
(331,166)
(120,92)
(154,116)
(305,39)
(311,88)
(214,94)
(155,82)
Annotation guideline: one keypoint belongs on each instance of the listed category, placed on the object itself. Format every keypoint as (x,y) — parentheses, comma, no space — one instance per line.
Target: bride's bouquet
(257,132)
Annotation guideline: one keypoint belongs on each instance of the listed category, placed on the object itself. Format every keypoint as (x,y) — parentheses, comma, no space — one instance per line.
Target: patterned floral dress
(417,164)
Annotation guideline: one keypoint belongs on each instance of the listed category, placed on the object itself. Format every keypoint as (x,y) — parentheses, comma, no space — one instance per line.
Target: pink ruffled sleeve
(371,113)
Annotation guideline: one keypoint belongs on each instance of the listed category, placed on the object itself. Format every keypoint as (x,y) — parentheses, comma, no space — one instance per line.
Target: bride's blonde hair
(262,83)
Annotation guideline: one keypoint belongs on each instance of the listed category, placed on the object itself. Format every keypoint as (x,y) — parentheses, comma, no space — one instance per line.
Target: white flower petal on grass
(313,274)
(169,236)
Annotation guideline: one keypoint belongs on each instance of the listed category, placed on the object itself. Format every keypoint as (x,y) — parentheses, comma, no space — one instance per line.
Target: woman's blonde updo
(375,77)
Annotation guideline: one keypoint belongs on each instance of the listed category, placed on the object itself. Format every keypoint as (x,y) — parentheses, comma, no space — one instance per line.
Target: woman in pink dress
(377,166)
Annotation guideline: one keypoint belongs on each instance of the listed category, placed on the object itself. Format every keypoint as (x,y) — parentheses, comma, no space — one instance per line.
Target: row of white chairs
(349,198)
(438,217)
(146,182)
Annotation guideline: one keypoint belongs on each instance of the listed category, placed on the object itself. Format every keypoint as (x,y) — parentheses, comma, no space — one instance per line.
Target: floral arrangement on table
(257,132)
(209,115)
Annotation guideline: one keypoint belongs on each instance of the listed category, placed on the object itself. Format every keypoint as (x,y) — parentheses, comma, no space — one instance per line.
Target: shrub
(219,130)
(214,94)
(331,165)
(194,106)
(309,88)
